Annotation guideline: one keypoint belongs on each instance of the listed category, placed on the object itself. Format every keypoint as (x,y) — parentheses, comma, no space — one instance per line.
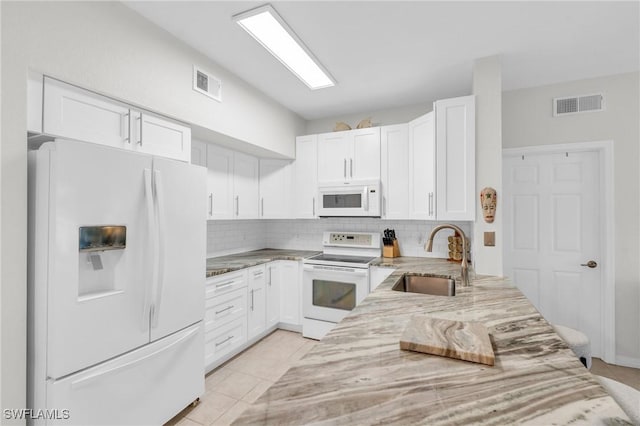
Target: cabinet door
(74,113)
(306,177)
(290,282)
(394,171)
(455,143)
(364,161)
(245,186)
(422,165)
(198,153)
(333,157)
(275,184)
(220,183)
(273,293)
(257,319)
(162,137)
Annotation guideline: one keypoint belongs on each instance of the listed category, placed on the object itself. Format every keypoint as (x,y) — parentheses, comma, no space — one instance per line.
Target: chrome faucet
(465,243)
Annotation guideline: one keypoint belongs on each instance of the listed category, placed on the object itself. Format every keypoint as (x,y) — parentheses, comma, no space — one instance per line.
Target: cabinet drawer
(225,308)
(226,283)
(223,340)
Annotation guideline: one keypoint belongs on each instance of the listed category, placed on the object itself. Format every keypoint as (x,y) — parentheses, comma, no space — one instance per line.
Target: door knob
(590,264)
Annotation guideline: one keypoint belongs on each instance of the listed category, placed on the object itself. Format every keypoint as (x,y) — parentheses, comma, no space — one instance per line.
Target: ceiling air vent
(207,84)
(577,104)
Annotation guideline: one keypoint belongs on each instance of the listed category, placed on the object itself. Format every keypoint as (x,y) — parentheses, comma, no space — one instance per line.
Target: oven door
(361,199)
(331,292)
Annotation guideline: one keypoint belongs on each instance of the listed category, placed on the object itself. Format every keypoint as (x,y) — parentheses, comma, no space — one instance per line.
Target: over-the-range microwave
(356,198)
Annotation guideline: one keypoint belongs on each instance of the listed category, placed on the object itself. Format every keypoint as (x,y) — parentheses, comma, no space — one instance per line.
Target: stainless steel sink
(431,284)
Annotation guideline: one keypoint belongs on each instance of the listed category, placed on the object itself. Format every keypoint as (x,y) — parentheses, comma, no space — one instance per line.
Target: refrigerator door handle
(99,374)
(151,276)
(157,183)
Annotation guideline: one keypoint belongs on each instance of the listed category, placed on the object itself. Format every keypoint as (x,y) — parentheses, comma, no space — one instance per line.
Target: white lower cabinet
(377,275)
(273,293)
(257,301)
(225,317)
(290,278)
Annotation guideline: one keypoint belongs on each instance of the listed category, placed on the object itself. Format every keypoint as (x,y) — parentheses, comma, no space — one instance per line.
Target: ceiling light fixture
(272,32)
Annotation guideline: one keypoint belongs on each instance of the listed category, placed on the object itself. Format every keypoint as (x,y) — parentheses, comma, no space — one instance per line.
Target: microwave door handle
(365,198)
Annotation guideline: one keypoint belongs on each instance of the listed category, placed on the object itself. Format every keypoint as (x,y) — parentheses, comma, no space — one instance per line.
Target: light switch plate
(490,239)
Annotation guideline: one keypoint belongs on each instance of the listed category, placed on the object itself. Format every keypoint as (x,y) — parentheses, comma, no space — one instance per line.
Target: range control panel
(351,239)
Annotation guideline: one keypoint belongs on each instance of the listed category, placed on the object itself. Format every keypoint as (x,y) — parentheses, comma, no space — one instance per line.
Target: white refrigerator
(117,261)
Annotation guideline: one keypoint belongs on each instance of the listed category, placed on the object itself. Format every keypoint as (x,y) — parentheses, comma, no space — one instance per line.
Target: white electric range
(335,281)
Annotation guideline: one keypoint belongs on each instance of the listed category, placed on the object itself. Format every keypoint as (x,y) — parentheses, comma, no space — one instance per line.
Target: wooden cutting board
(466,340)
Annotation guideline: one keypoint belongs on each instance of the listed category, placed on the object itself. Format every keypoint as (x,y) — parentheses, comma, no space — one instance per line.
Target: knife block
(391,251)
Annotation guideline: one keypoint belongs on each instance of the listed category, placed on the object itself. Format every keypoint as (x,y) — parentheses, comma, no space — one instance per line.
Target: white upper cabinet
(394,170)
(349,155)
(71,112)
(198,153)
(246,186)
(422,168)
(275,189)
(455,146)
(220,203)
(75,113)
(159,136)
(365,154)
(306,177)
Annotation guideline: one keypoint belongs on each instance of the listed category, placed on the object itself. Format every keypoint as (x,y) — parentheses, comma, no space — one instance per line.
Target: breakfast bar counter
(357,374)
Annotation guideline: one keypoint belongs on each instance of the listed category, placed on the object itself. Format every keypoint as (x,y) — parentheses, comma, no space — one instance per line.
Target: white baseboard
(627,361)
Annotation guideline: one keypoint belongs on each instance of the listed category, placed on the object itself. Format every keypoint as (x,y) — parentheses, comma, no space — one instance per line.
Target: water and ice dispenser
(101,250)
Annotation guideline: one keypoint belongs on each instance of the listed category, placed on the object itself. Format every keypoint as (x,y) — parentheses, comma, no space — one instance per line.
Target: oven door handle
(322,268)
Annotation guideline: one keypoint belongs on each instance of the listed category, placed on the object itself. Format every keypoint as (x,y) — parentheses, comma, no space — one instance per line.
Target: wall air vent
(207,84)
(577,104)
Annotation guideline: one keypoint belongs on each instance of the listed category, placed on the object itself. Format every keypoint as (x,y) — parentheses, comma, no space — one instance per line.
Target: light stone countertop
(234,262)
(358,375)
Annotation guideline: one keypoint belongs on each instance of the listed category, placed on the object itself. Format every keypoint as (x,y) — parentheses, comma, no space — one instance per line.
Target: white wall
(108,48)
(378,118)
(527,120)
(487,86)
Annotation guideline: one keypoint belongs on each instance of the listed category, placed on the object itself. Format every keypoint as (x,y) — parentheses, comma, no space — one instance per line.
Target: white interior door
(96,299)
(180,190)
(552,230)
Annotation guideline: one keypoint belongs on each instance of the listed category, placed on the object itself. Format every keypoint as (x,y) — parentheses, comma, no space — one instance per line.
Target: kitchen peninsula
(358,375)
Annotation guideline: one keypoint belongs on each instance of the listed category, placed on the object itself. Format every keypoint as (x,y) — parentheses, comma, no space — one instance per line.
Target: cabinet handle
(225,284)
(270,276)
(211,204)
(140,118)
(225,309)
(224,341)
(431,204)
(262,206)
(313,207)
(257,273)
(345,168)
(252,300)
(384,206)
(237,205)
(351,167)
(128,116)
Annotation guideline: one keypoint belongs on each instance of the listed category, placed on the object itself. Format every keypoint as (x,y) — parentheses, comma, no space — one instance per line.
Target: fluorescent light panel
(269,29)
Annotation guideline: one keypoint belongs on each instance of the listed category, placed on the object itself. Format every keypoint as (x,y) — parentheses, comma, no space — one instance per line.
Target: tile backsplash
(234,236)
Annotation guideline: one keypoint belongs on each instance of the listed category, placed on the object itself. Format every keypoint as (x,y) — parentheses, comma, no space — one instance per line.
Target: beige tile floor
(232,387)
